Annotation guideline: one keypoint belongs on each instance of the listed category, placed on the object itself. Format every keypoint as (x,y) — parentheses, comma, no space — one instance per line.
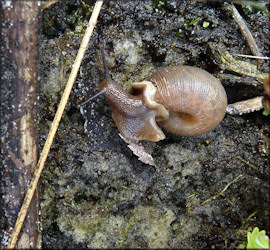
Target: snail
(184,100)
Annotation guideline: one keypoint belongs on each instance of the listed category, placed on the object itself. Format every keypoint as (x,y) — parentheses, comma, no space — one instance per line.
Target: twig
(226,62)
(222,191)
(254,57)
(254,213)
(49,3)
(245,31)
(246,106)
(249,217)
(246,162)
(57,118)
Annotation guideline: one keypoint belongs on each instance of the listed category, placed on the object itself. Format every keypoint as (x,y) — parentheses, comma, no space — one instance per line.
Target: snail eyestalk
(108,77)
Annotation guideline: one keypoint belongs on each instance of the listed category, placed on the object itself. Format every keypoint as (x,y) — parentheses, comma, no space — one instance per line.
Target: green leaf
(257,239)
(266,112)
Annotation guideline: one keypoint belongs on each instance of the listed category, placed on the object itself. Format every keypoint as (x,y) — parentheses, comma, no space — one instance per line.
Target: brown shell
(196,100)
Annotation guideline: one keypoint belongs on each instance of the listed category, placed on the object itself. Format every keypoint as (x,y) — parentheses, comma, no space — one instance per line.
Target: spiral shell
(184,100)
(196,100)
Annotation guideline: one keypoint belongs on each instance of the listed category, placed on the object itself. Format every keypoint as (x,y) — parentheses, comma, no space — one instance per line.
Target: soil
(206,191)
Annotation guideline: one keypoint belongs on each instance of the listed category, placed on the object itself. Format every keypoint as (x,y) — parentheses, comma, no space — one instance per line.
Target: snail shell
(184,100)
(196,100)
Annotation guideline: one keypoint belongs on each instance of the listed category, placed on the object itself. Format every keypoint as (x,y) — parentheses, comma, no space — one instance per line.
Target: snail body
(184,100)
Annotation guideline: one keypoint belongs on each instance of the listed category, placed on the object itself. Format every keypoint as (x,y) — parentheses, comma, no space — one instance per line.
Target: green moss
(82,228)
(253,7)
(127,86)
(159,6)
(77,20)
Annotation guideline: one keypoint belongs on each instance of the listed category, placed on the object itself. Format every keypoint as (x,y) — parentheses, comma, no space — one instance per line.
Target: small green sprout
(266,112)
(194,21)
(205,24)
(257,239)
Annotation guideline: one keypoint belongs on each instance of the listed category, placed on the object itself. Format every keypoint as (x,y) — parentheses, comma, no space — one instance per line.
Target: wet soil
(205,191)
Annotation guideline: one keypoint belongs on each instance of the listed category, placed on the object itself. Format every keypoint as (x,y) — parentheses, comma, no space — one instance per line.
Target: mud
(94,192)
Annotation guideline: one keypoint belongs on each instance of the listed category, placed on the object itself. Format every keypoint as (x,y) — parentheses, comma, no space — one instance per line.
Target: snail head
(134,115)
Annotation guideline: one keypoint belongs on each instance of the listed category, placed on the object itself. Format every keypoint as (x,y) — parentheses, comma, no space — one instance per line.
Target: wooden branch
(19,55)
(246,106)
(245,31)
(56,121)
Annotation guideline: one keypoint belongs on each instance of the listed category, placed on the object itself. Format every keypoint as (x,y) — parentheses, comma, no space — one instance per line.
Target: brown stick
(49,3)
(246,106)
(245,31)
(19,45)
(57,118)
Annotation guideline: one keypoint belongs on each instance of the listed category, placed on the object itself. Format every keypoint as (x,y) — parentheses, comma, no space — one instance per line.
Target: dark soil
(94,192)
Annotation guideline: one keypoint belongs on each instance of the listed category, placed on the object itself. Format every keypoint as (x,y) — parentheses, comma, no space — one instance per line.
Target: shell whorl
(196,100)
